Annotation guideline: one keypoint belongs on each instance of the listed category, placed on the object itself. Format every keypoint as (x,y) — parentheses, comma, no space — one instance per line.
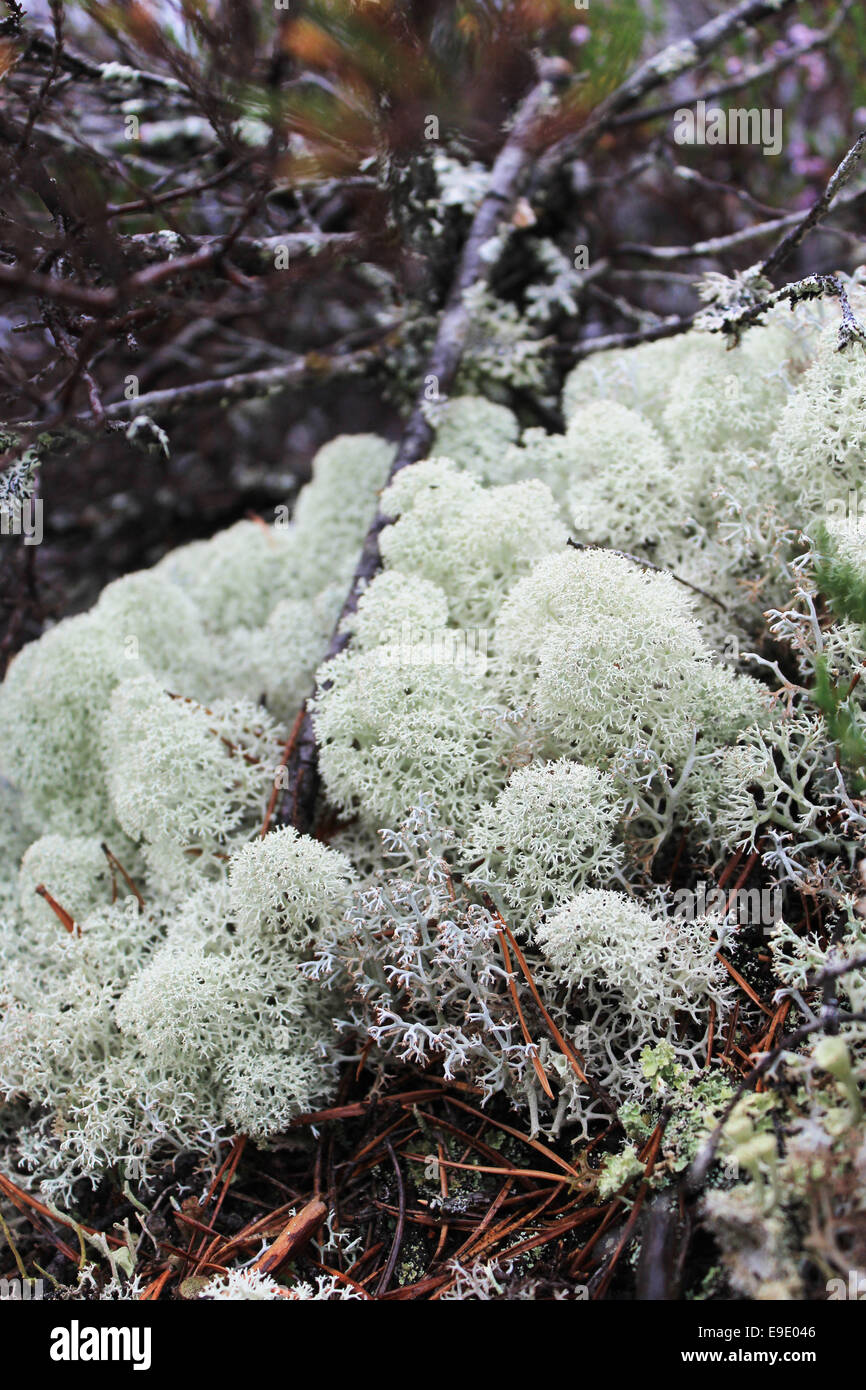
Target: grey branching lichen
(517,735)
(143,1027)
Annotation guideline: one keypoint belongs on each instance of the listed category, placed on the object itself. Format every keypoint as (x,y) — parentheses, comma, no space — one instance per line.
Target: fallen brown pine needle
(295,1237)
(744,984)
(533,1051)
(500,1172)
(63,916)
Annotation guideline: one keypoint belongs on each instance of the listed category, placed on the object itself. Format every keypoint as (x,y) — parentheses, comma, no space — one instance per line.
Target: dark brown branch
(40,46)
(388,1272)
(650,565)
(249,253)
(240,386)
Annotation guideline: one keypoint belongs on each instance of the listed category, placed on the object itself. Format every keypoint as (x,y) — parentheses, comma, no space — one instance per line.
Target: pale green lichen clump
(638,973)
(546,833)
(138,725)
(521,735)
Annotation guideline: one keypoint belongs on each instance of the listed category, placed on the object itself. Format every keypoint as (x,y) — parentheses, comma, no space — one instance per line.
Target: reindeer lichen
(522,738)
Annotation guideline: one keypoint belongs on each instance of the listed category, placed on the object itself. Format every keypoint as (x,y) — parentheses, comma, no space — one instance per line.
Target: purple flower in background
(815,67)
(806,164)
(801,33)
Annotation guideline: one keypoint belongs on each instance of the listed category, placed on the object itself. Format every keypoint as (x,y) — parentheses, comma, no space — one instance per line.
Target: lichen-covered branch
(508,177)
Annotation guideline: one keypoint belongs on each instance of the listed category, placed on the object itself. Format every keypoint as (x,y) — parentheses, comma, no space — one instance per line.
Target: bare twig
(731,241)
(669,327)
(818,210)
(650,565)
(254,255)
(242,386)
